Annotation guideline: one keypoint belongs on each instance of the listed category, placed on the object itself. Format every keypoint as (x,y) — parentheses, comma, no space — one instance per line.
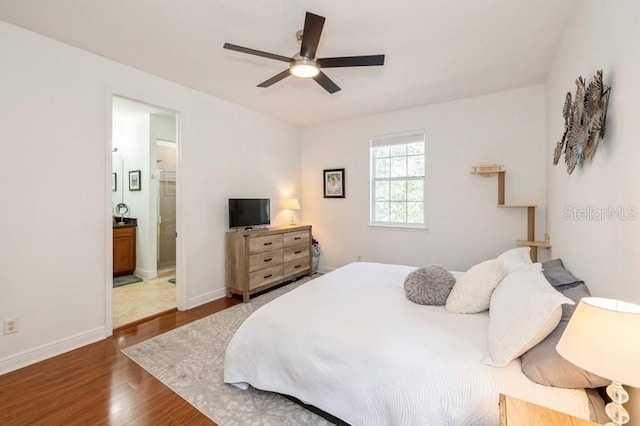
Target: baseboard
(325,269)
(206,298)
(49,350)
(145,274)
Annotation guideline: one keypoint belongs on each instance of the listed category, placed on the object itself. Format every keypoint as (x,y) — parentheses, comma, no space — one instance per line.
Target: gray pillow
(559,277)
(429,285)
(544,365)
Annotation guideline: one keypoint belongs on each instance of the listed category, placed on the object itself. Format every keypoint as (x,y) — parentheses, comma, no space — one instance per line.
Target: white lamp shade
(291,204)
(603,337)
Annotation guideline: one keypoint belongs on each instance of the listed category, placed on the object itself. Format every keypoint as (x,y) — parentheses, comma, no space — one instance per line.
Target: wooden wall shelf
(491,170)
(487,170)
(542,244)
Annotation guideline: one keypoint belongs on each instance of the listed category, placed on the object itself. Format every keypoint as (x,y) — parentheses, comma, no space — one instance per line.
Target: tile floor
(140,300)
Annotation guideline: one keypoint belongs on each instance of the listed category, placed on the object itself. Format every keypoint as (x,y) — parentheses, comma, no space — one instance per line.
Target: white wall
(54,116)
(600,35)
(464,224)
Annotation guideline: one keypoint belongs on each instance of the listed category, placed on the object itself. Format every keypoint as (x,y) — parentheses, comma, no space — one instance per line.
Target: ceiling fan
(305,64)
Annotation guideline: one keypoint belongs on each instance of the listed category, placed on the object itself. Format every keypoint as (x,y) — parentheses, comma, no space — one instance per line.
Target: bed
(351,344)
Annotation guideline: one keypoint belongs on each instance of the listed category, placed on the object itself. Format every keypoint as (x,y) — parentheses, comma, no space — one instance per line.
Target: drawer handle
(269,259)
(268,244)
(268,276)
(297,252)
(297,266)
(297,238)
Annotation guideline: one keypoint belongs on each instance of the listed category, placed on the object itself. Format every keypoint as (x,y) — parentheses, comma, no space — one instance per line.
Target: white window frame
(388,140)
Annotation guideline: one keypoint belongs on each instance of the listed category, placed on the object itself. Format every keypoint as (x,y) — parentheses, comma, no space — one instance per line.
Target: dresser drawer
(296,252)
(295,238)
(125,231)
(295,267)
(265,260)
(265,276)
(267,243)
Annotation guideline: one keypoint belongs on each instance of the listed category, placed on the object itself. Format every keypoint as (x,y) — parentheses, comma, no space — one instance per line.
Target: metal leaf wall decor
(585,116)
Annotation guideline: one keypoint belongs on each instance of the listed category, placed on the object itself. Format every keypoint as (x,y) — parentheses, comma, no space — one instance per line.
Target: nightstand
(516,412)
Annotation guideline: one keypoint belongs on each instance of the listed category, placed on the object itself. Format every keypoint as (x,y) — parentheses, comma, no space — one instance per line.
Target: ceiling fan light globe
(304,68)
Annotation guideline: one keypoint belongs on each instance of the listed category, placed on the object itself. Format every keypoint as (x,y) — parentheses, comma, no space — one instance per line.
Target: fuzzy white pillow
(524,309)
(472,292)
(517,258)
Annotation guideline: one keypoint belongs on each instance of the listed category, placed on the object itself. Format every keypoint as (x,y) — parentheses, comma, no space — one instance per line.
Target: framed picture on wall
(135,183)
(333,183)
(114,182)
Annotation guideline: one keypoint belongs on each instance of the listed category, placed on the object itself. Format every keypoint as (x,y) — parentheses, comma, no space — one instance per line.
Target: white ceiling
(436,50)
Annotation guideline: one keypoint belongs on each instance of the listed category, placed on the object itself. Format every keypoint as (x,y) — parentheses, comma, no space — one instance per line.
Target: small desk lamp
(603,337)
(291,204)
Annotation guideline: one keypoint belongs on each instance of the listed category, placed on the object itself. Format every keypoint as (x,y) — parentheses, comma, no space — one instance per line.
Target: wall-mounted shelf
(487,170)
(496,169)
(542,244)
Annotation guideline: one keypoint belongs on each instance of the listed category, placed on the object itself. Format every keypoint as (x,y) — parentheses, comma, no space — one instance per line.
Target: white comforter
(351,344)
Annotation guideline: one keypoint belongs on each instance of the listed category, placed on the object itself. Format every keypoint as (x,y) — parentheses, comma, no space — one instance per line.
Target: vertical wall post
(501,188)
(531,231)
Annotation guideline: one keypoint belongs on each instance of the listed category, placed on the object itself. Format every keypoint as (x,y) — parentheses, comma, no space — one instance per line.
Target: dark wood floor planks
(98,385)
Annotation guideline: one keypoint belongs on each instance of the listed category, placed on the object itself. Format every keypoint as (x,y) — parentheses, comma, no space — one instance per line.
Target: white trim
(206,298)
(49,350)
(181,227)
(146,274)
(108,219)
(401,226)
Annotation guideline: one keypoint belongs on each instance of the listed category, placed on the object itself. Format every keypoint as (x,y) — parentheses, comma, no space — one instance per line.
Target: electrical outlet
(359,259)
(11,326)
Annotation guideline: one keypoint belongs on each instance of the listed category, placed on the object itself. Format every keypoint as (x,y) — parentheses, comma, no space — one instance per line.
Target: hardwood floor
(97,385)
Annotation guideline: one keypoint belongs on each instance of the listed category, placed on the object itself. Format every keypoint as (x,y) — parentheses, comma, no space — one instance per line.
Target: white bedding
(351,344)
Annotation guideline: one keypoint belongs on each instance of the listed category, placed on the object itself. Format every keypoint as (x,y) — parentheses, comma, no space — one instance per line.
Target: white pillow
(524,310)
(516,259)
(472,292)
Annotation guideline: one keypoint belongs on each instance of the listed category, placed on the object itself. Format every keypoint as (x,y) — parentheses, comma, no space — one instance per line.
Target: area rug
(190,360)
(124,280)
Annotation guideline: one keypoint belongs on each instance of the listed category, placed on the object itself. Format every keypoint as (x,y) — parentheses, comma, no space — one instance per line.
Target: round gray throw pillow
(429,285)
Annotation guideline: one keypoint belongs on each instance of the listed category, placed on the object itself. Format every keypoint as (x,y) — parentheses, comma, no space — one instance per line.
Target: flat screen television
(248,212)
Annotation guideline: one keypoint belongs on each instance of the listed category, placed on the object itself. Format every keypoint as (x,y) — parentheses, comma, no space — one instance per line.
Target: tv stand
(259,259)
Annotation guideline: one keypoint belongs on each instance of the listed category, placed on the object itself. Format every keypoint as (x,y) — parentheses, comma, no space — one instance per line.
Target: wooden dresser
(259,259)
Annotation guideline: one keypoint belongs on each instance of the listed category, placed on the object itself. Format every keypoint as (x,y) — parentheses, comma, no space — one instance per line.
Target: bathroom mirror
(117,167)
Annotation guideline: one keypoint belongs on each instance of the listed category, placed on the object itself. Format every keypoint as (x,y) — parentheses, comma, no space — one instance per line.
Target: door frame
(157,142)
(181,258)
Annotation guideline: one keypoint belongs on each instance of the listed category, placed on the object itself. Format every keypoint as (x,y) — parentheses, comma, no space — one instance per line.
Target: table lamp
(291,204)
(603,337)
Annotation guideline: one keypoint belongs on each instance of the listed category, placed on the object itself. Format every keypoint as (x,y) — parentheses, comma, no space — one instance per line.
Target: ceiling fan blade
(256,52)
(276,78)
(326,83)
(311,35)
(351,61)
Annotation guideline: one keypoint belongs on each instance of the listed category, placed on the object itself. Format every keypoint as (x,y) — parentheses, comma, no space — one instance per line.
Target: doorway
(144,139)
(166,165)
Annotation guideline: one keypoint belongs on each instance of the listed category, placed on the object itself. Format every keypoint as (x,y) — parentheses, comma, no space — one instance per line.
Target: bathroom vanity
(124,247)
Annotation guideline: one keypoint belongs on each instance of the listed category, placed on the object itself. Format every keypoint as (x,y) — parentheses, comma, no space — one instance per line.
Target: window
(398,180)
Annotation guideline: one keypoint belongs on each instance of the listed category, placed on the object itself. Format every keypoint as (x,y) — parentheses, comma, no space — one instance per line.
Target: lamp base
(293,220)
(616,412)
